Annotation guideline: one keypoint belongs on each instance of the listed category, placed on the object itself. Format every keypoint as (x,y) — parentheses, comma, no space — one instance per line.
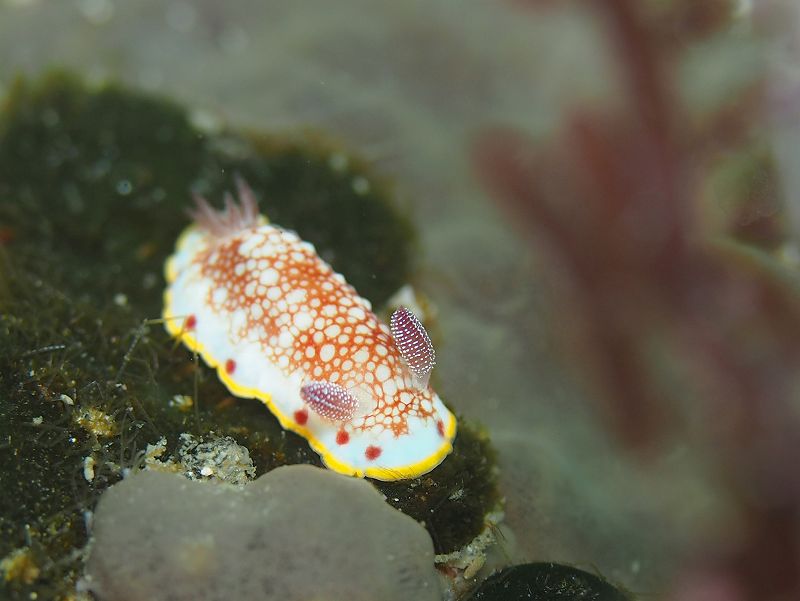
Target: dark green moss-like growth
(102,179)
(76,383)
(452,500)
(328,199)
(93,188)
(546,582)
(95,183)
(53,366)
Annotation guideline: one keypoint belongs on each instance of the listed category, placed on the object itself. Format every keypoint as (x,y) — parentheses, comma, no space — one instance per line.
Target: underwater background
(593,204)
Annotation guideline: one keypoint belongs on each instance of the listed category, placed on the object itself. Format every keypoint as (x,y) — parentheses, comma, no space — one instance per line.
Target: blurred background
(606,199)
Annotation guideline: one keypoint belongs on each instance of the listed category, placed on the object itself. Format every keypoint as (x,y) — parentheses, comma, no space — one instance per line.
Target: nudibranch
(279,325)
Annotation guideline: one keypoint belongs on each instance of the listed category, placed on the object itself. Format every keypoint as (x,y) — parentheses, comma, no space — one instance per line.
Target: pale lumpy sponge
(298,532)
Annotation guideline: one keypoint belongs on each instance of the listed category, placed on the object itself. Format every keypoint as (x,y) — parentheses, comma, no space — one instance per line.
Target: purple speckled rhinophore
(329,400)
(414,344)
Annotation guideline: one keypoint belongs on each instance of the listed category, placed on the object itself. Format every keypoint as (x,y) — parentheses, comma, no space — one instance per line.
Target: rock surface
(298,532)
(545,581)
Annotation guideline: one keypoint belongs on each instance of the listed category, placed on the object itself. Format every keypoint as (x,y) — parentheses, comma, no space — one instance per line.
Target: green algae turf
(546,581)
(103,177)
(93,189)
(453,499)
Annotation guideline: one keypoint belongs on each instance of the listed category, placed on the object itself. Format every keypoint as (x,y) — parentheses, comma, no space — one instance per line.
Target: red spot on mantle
(342,437)
(190,323)
(301,417)
(440,427)
(372,453)
(230,366)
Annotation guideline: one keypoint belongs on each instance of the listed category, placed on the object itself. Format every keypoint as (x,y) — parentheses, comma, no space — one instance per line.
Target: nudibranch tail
(329,401)
(414,344)
(234,218)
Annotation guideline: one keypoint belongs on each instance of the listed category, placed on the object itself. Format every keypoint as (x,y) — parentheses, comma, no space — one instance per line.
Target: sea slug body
(278,324)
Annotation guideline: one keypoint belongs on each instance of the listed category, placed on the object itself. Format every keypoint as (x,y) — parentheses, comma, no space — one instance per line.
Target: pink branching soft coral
(612,203)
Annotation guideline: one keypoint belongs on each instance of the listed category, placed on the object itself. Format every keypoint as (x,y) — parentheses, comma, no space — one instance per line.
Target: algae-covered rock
(454,499)
(545,581)
(100,179)
(298,532)
(94,183)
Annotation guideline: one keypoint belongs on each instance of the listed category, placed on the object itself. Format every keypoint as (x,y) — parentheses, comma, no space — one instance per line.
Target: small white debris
(66,399)
(88,468)
(338,161)
(124,187)
(88,521)
(157,449)
(458,494)
(206,121)
(37,421)
(220,459)
(149,280)
(182,402)
(360,185)
(120,299)
(472,556)
(474,567)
